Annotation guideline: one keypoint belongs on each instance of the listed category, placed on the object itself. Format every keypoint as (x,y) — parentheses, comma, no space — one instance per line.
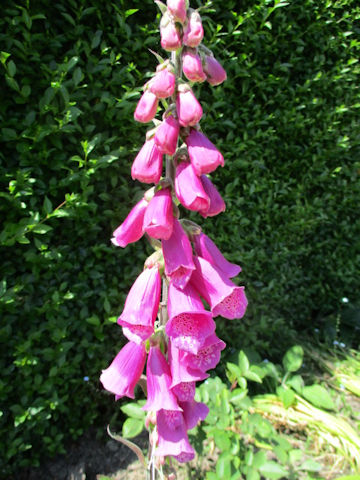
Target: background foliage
(70,75)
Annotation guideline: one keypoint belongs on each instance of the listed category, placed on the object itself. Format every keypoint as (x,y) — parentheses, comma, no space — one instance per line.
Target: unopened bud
(154,259)
(192,66)
(193,31)
(191,228)
(170,35)
(148,195)
(177,8)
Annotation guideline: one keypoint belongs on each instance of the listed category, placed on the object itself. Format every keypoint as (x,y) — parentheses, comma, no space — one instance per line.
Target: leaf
(311,466)
(223,466)
(4,56)
(132,427)
(47,205)
(222,440)
(133,410)
(293,358)
(273,470)
(250,375)
(318,396)
(243,362)
(131,11)
(296,382)
(41,229)
(287,396)
(11,68)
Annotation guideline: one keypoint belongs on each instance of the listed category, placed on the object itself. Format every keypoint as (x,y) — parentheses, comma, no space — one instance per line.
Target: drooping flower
(147,166)
(181,372)
(177,253)
(204,156)
(125,370)
(208,356)
(166,135)
(215,74)
(173,442)
(217,204)
(193,31)
(192,67)
(206,248)
(177,8)
(188,108)
(159,218)
(146,108)
(131,230)
(163,83)
(141,306)
(189,323)
(170,35)
(224,297)
(184,391)
(193,413)
(189,189)
(158,383)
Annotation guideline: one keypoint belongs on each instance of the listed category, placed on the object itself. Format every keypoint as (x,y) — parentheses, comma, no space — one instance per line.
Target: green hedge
(286,121)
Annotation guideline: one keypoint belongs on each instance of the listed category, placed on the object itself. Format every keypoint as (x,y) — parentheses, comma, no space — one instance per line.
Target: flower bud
(192,67)
(147,166)
(170,35)
(215,74)
(177,8)
(167,134)
(131,230)
(146,108)
(189,189)
(217,204)
(204,156)
(162,84)
(193,31)
(188,108)
(159,218)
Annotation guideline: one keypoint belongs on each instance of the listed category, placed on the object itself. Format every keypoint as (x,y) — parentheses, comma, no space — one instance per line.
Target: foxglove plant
(176,334)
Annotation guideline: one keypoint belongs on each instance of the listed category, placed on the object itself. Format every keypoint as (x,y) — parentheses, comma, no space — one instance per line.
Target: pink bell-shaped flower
(159,218)
(204,156)
(192,66)
(146,108)
(178,259)
(125,370)
(188,108)
(189,189)
(215,74)
(193,413)
(170,35)
(224,297)
(208,356)
(206,248)
(141,306)
(193,30)
(147,166)
(166,135)
(217,204)
(189,323)
(177,8)
(179,367)
(173,442)
(131,230)
(158,383)
(185,391)
(163,83)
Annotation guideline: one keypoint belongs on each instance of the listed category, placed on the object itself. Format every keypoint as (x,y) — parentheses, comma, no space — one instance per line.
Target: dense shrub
(286,120)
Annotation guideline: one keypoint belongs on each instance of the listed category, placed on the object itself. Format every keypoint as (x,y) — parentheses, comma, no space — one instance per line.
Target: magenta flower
(170,35)
(208,356)
(173,442)
(166,135)
(193,31)
(224,297)
(189,189)
(159,218)
(206,248)
(146,108)
(178,259)
(204,156)
(141,306)
(189,323)
(215,74)
(177,8)
(158,383)
(181,372)
(125,370)
(147,166)
(217,204)
(192,66)
(188,108)
(193,413)
(162,84)
(131,230)
(184,391)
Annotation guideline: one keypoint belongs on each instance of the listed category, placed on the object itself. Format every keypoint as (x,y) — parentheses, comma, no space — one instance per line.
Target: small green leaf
(132,427)
(318,396)
(310,465)
(131,11)
(47,205)
(273,470)
(11,68)
(243,362)
(4,56)
(42,229)
(293,358)
(223,466)
(222,440)
(287,396)
(254,377)
(296,382)
(133,410)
